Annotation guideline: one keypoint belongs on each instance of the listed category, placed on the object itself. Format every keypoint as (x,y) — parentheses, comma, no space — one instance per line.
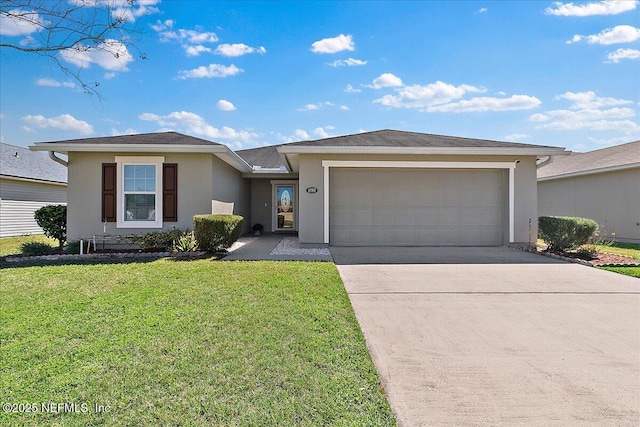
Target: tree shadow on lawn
(100,261)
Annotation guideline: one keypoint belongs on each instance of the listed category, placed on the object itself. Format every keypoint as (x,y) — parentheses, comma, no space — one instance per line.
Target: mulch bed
(600,259)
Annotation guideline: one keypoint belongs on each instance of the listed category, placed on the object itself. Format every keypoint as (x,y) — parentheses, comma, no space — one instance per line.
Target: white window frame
(123,161)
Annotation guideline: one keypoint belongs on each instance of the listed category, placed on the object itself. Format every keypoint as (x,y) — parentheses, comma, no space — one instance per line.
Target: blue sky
(249,74)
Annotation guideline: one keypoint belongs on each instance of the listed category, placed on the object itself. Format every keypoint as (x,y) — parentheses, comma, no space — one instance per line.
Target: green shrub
(159,239)
(562,233)
(35,248)
(73,247)
(53,221)
(186,243)
(216,232)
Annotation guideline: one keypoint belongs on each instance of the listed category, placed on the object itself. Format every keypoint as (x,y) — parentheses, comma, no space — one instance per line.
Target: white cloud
(418,96)
(311,107)
(109,75)
(130,12)
(349,62)
(333,44)
(344,108)
(351,89)
(589,111)
(237,49)
(195,50)
(192,41)
(606,7)
(607,142)
(516,137)
(127,131)
(301,134)
(54,83)
(225,105)
(483,10)
(111,55)
(482,104)
(386,80)
(589,100)
(19,22)
(63,122)
(213,70)
(621,54)
(194,124)
(322,131)
(617,34)
(441,97)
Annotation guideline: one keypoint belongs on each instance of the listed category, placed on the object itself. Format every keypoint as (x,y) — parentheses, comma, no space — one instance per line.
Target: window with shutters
(139,192)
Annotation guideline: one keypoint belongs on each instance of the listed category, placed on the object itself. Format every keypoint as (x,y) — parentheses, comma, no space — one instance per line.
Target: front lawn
(185,343)
(631,250)
(632,271)
(11,245)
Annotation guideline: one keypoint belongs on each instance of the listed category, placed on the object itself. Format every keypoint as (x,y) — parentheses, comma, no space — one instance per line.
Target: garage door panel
(395,207)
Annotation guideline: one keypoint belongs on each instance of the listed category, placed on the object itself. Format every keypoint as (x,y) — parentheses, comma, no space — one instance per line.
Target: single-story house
(603,185)
(384,188)
(28,181)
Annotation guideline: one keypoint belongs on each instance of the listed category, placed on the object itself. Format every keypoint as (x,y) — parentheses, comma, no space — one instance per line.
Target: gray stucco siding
(261,203)
(201,178)
(612,199)
(228,185)
(311,218)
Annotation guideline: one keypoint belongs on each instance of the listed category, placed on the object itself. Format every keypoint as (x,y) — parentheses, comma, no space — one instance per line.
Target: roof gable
(158,138)
(20,162)
(264,157)
(617,157)
(395,138)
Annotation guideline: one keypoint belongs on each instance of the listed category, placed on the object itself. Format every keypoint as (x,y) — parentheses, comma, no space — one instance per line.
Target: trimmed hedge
(563,232)
(160,239)
(53,221)
(216,232)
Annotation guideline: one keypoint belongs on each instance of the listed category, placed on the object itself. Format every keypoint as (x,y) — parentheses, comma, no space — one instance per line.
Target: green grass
(11,245)
(627,249)
(628,271)
(186,343)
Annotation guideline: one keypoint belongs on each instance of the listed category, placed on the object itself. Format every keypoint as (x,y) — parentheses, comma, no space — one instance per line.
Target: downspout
(544,162)
(52,156)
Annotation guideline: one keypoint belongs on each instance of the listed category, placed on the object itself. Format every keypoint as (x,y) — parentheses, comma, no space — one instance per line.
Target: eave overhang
(591,171)
(221,151)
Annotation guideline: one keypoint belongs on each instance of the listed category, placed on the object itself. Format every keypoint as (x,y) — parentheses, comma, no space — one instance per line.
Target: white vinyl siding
(20,199)
(32,191)
(16,217)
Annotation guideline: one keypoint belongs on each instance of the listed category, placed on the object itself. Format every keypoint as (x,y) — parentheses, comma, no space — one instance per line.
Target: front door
(285,207)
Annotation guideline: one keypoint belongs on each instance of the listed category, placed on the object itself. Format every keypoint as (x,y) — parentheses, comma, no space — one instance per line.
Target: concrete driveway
(502,339)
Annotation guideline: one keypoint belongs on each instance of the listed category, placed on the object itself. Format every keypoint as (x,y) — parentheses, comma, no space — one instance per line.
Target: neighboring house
(28,181)
(603,185)
(385,188)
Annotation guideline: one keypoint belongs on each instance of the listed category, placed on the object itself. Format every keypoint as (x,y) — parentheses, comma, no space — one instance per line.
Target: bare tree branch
(71,30)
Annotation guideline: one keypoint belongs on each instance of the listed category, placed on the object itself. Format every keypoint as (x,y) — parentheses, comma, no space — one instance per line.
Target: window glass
(140,207)
(140,178)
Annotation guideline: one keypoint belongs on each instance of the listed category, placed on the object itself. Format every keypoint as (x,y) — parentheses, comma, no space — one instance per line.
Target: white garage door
(417,207)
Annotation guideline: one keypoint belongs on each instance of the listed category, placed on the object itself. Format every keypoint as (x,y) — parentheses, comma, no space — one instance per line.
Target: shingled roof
(396,138)
(612,158)
(265,157)
(162,138)
(20,162)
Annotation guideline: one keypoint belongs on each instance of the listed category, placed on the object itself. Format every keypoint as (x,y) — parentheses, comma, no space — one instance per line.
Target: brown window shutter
(109,185)
(170,192)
